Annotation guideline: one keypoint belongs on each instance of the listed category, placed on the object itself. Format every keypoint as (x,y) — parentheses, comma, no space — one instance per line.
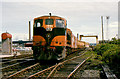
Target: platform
(3,56)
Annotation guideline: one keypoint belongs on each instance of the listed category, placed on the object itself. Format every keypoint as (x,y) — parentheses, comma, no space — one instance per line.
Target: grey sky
(82,17)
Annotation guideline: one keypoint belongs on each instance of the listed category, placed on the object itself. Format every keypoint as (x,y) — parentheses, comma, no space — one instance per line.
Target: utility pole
(29,31)
(102,28)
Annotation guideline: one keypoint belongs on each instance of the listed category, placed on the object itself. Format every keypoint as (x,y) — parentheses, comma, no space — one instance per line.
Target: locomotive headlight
(48,29)
(48,35)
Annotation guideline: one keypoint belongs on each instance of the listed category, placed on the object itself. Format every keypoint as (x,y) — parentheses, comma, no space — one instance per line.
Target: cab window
(39,23)
(60,23)
(49,22)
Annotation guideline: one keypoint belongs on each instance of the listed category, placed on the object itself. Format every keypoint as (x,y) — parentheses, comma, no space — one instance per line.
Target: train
(52,39)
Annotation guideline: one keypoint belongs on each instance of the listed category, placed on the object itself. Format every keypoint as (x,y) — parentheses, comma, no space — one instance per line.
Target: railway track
(38,70)
(13,61)
(65,69)
(26,72)
(10,69)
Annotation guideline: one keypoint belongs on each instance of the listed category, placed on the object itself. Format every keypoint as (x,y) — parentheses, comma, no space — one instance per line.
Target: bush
(110,52)
(101,48)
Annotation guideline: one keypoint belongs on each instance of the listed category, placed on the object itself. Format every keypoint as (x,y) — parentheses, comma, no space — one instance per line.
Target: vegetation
(109,53)
(115,41)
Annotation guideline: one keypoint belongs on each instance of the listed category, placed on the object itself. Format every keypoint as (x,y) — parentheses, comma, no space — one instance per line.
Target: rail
(108,72)
(16,59)
(79,65)
(41,72)
(23,70)
(9,66)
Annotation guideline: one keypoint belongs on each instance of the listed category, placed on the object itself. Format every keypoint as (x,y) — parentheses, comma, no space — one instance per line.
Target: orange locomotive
(52,40)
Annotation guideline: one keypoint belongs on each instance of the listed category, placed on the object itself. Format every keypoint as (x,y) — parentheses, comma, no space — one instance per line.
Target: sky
(83,16)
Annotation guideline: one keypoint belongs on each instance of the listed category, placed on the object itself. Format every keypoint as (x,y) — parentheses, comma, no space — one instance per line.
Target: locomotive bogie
(49,53)
(42,53)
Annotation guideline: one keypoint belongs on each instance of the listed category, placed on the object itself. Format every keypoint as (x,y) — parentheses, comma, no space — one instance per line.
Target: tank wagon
(52,40)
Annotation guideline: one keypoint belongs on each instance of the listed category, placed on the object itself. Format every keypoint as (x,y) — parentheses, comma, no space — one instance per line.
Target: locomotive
(52,40)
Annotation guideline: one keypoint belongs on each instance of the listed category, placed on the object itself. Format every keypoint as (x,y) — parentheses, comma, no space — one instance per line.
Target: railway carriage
(52,40)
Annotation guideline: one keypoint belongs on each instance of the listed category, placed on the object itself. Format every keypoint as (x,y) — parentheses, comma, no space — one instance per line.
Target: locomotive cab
(50,22)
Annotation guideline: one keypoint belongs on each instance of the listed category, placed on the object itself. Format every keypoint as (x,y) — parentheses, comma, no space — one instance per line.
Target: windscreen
(38,23)
(49,22)
(60,23)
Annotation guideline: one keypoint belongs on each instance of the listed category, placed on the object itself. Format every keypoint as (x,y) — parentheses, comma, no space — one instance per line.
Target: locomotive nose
(48,36)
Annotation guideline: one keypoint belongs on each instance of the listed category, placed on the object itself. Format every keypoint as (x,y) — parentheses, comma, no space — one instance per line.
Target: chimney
(29,31)
(77,36)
